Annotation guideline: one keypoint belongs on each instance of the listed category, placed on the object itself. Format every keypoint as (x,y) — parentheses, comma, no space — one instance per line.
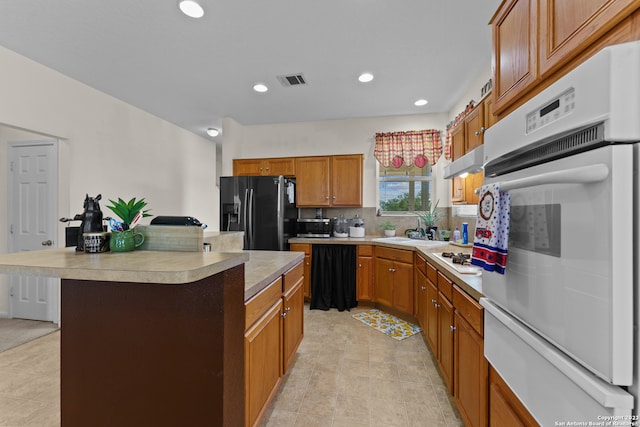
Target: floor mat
(387,324)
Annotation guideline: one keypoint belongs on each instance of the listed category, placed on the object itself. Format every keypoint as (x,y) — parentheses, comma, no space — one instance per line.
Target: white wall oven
(561,323)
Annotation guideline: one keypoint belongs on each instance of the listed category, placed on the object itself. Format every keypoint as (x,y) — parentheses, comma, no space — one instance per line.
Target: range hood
(470,162)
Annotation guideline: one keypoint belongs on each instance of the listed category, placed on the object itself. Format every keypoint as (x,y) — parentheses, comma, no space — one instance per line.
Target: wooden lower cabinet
(364,273)
(263,363)
(504,407)
(306,248)
(274,328)
(471,373)
(293,322)
(445,340)
(394,278)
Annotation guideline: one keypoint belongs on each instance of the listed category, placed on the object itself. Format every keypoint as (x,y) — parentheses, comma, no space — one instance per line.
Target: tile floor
(345,374)
(348,374)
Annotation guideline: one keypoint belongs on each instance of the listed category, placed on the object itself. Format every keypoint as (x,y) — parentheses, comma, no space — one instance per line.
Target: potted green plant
(389,228)
(430,218)
(123,238)
(128,211)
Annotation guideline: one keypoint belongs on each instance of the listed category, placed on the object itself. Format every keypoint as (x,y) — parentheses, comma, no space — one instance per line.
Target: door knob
(47,243)
(284,315)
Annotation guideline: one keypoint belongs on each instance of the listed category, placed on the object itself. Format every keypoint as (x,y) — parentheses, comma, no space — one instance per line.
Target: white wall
(107,147)
(321,138)
(473,93)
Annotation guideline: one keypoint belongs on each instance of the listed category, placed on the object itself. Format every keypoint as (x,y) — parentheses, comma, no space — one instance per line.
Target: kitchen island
(148,337)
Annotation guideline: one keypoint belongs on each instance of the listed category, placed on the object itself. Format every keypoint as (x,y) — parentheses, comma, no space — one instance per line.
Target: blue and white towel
(491,241)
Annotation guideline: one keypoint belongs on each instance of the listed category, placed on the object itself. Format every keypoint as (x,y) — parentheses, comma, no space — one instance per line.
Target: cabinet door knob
(437,305)
(423,288)
(433,302)
(288,309)
(334,197)
(359,265)
(453,328)
(326,197)
(392,270)
(284,315)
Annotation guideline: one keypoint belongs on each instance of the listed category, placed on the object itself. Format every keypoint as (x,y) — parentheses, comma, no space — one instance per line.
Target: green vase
(125,241)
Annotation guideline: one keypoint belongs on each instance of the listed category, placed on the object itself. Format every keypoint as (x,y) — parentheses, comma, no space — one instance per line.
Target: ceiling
(194,72)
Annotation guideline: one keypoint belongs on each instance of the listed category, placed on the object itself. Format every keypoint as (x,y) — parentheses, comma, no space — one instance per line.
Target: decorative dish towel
(492,229)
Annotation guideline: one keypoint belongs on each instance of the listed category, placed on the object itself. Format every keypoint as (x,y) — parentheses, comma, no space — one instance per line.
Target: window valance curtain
(408,148)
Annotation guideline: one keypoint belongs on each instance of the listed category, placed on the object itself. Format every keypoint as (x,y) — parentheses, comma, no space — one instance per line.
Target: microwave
(313,227)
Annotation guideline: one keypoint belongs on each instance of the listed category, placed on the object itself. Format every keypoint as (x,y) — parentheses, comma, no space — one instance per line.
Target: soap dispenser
(456,234)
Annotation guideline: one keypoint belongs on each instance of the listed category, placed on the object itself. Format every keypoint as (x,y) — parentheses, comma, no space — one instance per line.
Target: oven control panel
(552,111)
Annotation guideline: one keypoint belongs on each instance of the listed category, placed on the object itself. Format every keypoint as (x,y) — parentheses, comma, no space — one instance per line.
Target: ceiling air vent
(292,80)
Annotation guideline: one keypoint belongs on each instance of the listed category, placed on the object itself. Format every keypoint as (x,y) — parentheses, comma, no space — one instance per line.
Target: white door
(33,196)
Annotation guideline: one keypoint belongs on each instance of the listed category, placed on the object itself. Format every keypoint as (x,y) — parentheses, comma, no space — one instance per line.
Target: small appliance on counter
(356,227)
(340,227)
(313,227)
(177,220)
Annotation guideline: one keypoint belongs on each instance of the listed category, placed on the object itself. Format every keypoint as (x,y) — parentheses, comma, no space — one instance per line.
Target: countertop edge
(254,286)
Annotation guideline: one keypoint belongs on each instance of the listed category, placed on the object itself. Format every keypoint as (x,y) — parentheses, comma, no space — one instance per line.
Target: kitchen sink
(409,242)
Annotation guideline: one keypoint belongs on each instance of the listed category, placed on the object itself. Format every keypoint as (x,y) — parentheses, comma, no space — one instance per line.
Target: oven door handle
(582,175)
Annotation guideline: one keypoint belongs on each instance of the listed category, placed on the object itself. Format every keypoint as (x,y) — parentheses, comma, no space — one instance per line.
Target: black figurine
(91,219)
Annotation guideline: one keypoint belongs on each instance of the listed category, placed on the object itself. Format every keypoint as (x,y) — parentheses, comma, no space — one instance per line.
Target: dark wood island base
(148,354)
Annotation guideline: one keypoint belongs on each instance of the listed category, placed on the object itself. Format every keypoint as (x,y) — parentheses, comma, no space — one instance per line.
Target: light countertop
(263,267)
(470,283)
(136,266)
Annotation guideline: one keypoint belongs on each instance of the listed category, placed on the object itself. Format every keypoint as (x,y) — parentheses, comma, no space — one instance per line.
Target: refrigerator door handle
(246,230)
(280,213)
(250,223)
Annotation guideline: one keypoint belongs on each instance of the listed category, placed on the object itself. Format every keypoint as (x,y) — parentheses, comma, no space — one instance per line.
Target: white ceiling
(194,72)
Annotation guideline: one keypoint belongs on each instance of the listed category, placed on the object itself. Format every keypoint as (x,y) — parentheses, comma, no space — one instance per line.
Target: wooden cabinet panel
(313,181)
(431,332)
(473,181)
(263,363)
(253,167)
(256,306)
(346,180)
(247,167)
(306,248)
(458,141)
(469,309)
(394,278)
(403,287)
(293,323)
(384,281)
(504,407)
(281,166)
(567,28)
(445,340)
(474,128)
(489,117)
(421,300)
(514,59)
(445,286)
(364,273)
(471,373)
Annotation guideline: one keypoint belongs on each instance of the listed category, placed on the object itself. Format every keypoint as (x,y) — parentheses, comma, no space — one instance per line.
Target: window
(404,189)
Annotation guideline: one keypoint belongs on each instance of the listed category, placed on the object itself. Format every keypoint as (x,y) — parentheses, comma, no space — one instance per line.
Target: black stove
(459,258)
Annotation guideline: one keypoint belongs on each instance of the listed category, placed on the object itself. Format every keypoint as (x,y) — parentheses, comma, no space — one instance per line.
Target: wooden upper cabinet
(267,167)
(313,181)
(346,180)
(568,27)
(326,181)
(514,60)
(474,128)
(458,141)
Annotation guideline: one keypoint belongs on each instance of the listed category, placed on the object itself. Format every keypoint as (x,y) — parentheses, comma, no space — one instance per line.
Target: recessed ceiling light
(260,87)
(213,132)
(420,102)
(191,8)
(365,77)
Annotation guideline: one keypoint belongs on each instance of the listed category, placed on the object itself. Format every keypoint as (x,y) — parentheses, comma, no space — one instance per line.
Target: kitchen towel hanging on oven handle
(491,240)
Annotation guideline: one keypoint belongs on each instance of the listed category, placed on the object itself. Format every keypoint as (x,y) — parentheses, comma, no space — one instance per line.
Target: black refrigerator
(261,206)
